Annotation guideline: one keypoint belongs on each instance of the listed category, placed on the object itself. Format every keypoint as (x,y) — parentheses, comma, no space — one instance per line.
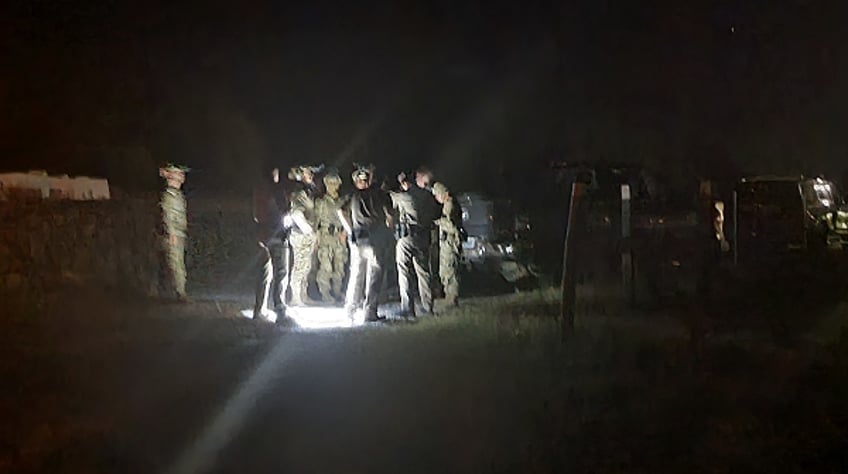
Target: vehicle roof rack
(763,178)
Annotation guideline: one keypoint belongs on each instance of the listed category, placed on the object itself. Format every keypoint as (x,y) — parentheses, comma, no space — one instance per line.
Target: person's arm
(299,219)
(344,212)
(348,228)
(256,198)
(388,207)
(297,214)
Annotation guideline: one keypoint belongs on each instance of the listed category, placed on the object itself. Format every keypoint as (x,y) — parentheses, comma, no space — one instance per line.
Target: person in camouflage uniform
(302,238)
(174,230)
(450,242)
(332,241)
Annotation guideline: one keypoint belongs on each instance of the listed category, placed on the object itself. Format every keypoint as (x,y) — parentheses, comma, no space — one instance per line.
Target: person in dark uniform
(417,211)
(270,203)
(366,217)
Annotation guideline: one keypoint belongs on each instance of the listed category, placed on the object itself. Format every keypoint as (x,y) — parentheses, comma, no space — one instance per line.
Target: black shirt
(422,208)
(270,202)
(368,210)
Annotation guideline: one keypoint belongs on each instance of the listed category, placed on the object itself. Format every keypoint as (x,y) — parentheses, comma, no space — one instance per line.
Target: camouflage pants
(332,257)
(175,271)
(303,247)
(449,259)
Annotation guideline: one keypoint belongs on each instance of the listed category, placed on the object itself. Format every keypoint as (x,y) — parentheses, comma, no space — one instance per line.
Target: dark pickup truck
(781,215)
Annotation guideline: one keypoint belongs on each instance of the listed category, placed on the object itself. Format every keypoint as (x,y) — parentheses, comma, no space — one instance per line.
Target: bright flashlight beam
(322,318)
(202,454)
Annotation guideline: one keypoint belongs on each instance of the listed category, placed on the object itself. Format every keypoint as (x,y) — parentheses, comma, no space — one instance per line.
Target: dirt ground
(97,382)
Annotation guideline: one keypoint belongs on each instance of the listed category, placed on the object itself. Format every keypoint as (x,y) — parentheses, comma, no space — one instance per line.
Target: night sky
(485,92)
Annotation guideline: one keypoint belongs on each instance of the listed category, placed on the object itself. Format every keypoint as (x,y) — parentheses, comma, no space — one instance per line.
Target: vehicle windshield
(820,194)
(783,194)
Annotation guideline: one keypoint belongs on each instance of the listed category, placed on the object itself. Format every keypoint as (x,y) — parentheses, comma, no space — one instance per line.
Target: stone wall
(114,244)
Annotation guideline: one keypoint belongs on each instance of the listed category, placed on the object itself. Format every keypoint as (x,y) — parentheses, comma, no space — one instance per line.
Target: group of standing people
(355,235)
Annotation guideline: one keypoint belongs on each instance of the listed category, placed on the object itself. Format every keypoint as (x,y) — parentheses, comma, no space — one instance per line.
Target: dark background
(485,92)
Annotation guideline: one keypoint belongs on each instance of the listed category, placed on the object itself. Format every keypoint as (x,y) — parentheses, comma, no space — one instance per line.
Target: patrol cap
(176,167)
(171,168)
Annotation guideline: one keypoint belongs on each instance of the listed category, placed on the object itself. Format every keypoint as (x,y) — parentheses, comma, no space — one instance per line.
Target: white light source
(269,315)
(314,317)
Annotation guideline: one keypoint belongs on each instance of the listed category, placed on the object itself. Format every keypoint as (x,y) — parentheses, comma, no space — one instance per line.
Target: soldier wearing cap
(450,242)
(302,239)
(367,219)
(332,240)
(174,230)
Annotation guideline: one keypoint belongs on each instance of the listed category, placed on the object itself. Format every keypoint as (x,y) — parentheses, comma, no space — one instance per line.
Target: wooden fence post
(569,252)
(627,280)
(735,228)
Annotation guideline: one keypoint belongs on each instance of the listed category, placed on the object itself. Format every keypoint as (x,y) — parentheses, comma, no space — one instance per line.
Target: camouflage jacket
(303,202)
(326,215)
(302,209)
(450,221)
(173,206)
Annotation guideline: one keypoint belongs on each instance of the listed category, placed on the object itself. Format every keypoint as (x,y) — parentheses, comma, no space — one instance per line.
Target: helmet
(332,177)
(296,173)
(440,188)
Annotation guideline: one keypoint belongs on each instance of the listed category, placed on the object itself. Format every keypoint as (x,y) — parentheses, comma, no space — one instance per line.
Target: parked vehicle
(497,237)
(778,215)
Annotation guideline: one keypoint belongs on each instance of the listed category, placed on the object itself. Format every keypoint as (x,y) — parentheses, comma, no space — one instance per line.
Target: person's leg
(374,284)
(404,259)
(178,269)
(339,261)
(448,263)
(302,255)
(356,283)
(279,265)
(325,268)
(263,283)
(422,271)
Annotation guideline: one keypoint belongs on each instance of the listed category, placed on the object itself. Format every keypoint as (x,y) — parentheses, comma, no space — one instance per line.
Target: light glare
(323,318)
(269,315)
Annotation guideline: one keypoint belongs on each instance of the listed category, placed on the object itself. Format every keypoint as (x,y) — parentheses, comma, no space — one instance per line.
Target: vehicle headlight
(842,220)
